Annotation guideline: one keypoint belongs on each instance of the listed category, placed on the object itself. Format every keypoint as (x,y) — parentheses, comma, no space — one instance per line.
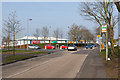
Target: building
(33,40)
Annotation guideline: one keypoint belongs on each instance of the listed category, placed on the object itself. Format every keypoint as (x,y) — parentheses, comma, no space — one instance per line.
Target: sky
(55,14)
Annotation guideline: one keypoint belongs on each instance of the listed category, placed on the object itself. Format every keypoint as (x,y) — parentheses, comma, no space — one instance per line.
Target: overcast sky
(55,14)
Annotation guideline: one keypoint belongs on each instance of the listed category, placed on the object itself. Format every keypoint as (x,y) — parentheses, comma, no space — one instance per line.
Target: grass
(112,66)
(17,51)
(41,52)
(15,58)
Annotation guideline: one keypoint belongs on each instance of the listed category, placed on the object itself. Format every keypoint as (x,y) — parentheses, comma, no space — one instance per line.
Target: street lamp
(27,32)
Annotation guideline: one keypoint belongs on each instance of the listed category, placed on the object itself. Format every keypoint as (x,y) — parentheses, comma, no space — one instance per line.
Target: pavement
(92,67)
(62,64)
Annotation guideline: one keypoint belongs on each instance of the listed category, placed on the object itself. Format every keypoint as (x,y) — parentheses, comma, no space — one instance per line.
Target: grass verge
(17,51)
(15,58)
(40,52)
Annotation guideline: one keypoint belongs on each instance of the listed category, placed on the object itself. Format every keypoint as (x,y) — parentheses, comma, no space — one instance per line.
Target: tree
(74,32)
(13,27)
(61,35)
(117,3)
(102,13)
(7,32)
(45,32)
(86,35)
(37,33)
(56,33)
(4,40)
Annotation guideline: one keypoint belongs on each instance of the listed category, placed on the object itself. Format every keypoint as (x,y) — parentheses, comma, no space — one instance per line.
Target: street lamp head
(30,19)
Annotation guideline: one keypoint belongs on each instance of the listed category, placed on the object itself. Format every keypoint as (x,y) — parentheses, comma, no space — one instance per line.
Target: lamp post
(27,32)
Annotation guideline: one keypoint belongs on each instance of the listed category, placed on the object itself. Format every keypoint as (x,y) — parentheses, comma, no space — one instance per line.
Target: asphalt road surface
(61,64)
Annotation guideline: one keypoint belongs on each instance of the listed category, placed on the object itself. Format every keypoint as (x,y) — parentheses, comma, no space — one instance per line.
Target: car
(93,45)
(49,46)
(63,47)
(34,47)
(89,46)
(72,47)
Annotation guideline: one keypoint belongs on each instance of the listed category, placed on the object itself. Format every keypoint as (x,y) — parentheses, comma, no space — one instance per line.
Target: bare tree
(117,3)
(13,27)
(102,13)
(7,32)
(74,32)
(61,35)
(56,33)
(86,35)
(37,33)
(45,32)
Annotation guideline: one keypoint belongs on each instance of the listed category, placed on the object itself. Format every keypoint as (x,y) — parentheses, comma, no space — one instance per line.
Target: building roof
(39,38)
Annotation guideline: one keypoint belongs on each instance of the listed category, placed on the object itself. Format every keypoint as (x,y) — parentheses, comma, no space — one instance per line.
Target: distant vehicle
(34,47)
(63,47)
(94,45)
(115,45)
(89,46)
(72,47)
(49,46)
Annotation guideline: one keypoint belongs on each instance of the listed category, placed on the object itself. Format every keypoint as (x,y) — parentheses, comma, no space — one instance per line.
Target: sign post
(99,41)
(102,46)
(104,29)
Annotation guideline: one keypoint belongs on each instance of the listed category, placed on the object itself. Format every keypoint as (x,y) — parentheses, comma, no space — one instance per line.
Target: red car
(49,46)
(63,47)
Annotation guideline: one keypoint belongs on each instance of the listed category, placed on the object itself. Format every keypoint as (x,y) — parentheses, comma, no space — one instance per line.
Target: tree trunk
(13,40)
(111,41)
(85,42)
(8,45)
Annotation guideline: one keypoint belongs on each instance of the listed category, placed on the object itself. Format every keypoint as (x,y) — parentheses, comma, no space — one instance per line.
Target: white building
(32,40)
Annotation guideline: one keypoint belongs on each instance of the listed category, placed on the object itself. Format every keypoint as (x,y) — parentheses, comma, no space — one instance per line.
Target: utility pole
(106,32)
(27,32)
(100,38)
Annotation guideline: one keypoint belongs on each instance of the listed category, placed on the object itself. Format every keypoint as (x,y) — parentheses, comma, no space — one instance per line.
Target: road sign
(102,46)
(98,35)
(104,28)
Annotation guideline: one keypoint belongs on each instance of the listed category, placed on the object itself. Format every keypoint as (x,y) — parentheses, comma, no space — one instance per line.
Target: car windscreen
(89,44)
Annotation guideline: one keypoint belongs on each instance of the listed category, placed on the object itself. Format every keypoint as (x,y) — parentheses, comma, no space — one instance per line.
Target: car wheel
(90,48)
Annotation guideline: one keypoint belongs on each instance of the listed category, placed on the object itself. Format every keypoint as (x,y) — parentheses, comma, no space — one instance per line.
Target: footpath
(92,67)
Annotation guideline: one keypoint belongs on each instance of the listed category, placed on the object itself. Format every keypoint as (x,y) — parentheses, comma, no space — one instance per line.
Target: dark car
(94,45)
(89,46)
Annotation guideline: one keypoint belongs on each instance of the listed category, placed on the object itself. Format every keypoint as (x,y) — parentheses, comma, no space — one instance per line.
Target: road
(62,64)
